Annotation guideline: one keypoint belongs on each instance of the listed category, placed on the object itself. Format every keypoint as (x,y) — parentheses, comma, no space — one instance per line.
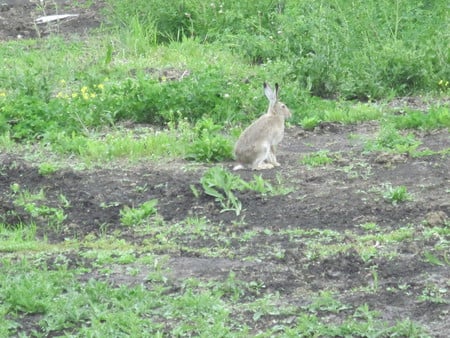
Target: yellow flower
(3,94)
(93,95)
(84,89)
(74,95)
(101,86)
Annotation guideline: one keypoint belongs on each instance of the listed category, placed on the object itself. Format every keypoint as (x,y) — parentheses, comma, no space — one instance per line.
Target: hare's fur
(256,146)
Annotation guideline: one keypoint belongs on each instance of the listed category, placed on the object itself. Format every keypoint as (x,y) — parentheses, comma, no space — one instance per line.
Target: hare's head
(276,107)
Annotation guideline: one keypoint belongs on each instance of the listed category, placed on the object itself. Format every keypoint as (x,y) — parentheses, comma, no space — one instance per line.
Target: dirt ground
(337,197)
(18,18)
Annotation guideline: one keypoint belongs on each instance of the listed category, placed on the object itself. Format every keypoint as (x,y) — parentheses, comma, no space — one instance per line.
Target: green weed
(436,117)
(327,302)
(33,204)
(264,187)
(391,140)
(208,144)
(47,168)
(317,159)
(435,294)
(221,184)
(396,195)
(138,215)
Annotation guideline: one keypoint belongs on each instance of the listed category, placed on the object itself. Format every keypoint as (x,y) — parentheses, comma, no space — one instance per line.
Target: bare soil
(18,18)
(338,197)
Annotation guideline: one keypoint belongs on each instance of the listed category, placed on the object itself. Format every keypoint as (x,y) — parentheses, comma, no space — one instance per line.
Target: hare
(255,148)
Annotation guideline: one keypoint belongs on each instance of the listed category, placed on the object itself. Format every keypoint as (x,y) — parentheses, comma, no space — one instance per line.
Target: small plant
(375,283)
(435,294)
(396,195)
(264,187)
(137,216)
(326,301)
(317,159)
(47,168)
(209,145)
(309,123)
(369,226)
(391,140)
(34,206)
(220,183)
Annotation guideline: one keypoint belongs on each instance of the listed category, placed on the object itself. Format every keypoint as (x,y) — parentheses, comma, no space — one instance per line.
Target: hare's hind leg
(258,163)
(238,166)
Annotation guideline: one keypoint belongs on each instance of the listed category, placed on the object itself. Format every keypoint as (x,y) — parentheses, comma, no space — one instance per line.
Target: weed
(47,168)
(435,294)
(369,226)
(391,140)
(309,123)
(34,206)
(220,184)
(208,145)
(317,159)
(326,301)
(436,117)
(264,187)
(432,259)
(375,283)
(396,195)
(139,215)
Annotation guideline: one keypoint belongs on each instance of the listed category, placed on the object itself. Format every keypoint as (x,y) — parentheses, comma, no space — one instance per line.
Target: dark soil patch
(18,18)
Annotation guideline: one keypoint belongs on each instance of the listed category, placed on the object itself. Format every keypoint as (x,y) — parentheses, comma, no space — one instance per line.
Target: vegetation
(180,80)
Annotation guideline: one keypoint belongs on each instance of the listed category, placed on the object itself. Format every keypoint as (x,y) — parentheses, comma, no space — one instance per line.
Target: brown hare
(255,148)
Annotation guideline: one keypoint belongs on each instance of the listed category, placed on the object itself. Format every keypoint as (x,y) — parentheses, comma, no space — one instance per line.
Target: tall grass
(325,49)
(358,49)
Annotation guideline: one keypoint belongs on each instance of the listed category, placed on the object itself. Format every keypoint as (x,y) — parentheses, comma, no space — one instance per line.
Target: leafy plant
(264,187)
(34,206)
(221,184)
(319,158)
(396,195)
(390,139)
(47,168)
(208,144)
(137,216)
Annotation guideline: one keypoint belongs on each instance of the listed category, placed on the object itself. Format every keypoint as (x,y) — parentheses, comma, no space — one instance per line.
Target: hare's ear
(271,96)
(276,90)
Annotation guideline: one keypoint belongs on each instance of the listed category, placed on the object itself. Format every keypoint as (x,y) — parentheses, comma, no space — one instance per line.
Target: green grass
(317,159)
(61,302)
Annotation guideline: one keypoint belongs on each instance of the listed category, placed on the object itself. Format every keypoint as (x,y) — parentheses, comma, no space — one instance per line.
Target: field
(120,215)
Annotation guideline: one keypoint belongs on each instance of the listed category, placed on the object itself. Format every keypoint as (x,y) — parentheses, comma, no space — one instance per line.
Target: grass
(163,82)
(66,298)
(317,159)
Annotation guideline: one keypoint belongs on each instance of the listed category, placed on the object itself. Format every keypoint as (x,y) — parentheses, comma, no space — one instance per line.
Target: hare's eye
(283,106)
